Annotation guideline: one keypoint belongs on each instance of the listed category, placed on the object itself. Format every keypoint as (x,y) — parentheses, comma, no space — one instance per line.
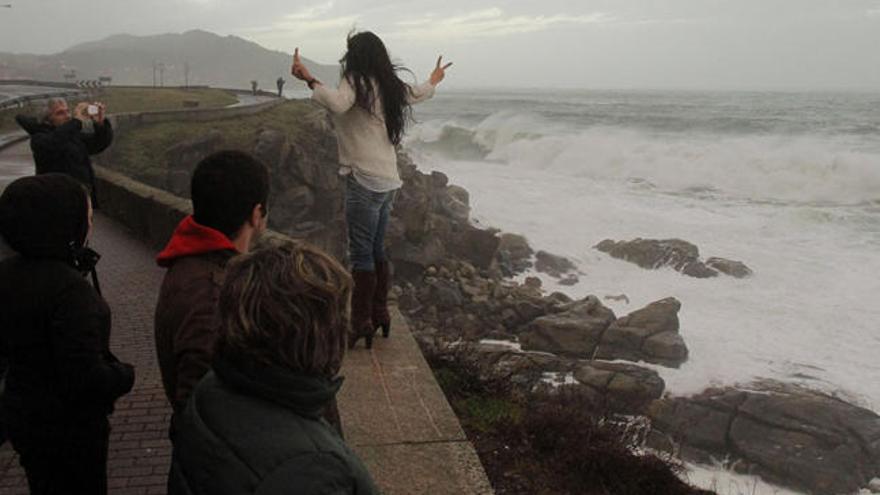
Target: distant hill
(213,60)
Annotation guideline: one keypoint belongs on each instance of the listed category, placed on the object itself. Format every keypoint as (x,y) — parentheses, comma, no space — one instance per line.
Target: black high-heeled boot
(381,317)
(362,308)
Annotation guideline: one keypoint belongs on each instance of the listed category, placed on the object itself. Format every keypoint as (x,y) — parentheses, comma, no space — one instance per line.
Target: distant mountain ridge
(222,61)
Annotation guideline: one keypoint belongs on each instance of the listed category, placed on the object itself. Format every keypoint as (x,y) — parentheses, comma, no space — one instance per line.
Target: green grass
(485,413)
(123,100)
(480,411)
(141,154)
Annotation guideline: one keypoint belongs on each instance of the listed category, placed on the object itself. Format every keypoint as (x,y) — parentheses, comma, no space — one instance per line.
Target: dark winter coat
(65,149)
(253,429)
(62,380)
(55,334)
(54,325)
(186,313)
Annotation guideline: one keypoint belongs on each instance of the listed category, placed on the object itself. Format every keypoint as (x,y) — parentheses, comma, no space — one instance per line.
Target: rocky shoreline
(454,284)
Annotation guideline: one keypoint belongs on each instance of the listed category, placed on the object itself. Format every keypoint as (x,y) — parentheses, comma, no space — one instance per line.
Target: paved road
(139,448)
(246,100)
(15,162)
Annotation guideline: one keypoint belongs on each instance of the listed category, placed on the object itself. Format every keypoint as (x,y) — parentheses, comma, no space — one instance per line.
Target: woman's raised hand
(298,69)
(439,72)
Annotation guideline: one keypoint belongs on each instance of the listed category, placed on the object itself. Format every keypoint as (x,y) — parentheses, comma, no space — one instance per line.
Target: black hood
(304,394)
(45,216)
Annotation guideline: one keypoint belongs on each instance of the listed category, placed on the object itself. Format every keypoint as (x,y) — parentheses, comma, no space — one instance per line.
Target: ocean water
(787,183)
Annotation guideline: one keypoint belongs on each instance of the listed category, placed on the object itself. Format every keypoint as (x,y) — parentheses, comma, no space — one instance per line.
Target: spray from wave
(802,169)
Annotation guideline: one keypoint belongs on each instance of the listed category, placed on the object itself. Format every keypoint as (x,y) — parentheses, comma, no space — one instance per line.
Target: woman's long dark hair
(366,59)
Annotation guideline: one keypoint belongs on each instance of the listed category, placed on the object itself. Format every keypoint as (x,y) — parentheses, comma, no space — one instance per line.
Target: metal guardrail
(22,100)
(34,82)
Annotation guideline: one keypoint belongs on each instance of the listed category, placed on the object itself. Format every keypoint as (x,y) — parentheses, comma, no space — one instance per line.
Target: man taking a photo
(59,143)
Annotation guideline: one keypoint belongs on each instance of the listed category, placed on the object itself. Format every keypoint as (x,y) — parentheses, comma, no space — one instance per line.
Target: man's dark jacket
(65,149)
(186,314)
(255,429)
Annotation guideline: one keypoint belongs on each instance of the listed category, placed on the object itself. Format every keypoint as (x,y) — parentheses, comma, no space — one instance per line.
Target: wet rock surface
(785,433)
(590,330)
(678,254)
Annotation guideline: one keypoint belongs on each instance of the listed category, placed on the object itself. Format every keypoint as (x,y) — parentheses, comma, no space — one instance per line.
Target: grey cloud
(642,43)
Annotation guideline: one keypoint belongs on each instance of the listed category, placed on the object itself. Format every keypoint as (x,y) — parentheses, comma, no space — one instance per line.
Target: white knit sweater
(364,147)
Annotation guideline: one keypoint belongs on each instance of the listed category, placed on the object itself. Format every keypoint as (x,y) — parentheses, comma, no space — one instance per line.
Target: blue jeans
(366,213)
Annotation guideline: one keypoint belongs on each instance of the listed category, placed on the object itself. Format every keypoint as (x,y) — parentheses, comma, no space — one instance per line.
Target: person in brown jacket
(229,192)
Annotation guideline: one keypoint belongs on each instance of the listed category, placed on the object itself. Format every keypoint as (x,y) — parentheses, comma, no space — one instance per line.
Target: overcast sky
(738,44)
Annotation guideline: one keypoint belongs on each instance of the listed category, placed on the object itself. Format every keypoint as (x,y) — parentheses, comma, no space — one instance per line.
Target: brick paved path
(139,448)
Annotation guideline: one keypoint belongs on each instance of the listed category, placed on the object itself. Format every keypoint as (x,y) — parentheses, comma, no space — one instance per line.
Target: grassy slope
(141,154)
(120,100)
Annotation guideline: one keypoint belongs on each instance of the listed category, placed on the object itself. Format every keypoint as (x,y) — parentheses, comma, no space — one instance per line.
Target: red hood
(190,238)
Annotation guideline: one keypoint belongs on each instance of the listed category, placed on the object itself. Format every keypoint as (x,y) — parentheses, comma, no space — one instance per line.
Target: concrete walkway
(397,419)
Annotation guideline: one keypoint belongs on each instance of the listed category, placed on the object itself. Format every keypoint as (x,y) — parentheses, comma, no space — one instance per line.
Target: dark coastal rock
(614,387)
(587,329)
(736,269)
(446,294)
(292,206)
(785,433)
(553,265)
(675,253)
(621,387)
(652,254)
(657,317)
(411,260)
(439,179)
(271,148)
(514,254)
(574,332)
(564,334)
(455,203)
(533,283)
(649,334)
(182,158)
(313,171)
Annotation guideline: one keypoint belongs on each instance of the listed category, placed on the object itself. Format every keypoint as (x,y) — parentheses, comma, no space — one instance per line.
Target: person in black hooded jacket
(60,145)
(62,379)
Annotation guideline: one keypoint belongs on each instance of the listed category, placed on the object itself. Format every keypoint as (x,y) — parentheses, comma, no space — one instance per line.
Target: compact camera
(92,110)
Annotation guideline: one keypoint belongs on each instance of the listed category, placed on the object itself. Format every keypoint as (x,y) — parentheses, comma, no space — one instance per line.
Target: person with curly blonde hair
(254,424)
